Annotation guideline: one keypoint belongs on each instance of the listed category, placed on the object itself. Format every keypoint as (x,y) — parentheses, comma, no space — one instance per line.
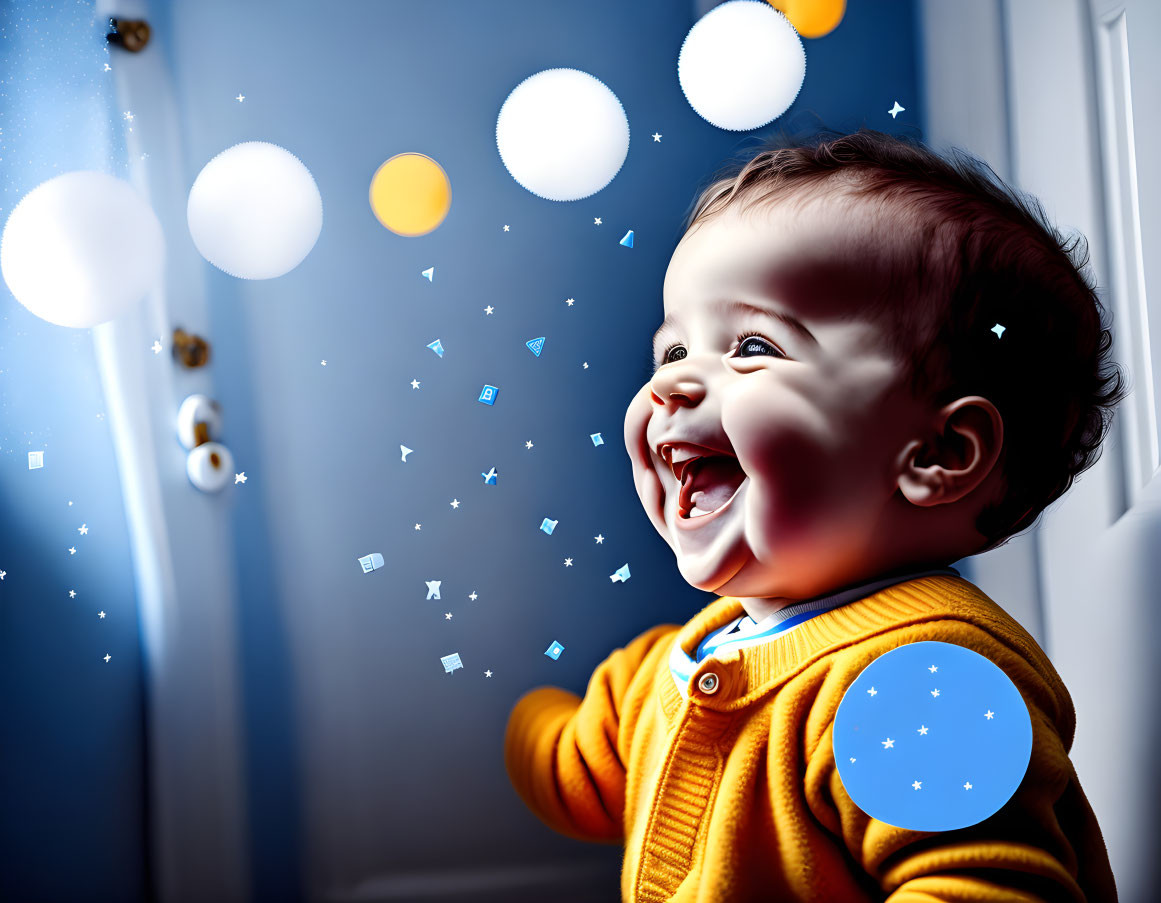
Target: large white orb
(255,211)
(81,249)
(741,65)
(562,134)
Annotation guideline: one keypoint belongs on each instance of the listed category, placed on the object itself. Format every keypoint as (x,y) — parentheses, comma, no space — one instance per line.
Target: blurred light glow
(81,249)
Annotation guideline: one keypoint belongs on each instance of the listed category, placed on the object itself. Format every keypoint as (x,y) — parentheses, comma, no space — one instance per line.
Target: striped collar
(686,655)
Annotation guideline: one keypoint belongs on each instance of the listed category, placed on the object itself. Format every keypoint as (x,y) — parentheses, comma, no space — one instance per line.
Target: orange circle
(410,194)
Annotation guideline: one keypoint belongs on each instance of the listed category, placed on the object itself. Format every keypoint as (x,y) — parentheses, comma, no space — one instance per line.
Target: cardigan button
(708,682)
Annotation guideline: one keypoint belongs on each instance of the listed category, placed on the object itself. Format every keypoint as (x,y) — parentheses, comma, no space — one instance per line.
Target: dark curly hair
(959,251)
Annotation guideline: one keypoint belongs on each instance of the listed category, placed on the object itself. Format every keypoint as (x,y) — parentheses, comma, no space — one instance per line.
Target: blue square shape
(488,394)
(554,651)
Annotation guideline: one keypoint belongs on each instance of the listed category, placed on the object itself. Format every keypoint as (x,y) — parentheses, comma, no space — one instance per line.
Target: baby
(874,362)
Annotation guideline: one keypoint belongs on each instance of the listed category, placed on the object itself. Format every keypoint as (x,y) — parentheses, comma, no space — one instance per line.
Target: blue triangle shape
(536,345)
(627,241)
(428,273)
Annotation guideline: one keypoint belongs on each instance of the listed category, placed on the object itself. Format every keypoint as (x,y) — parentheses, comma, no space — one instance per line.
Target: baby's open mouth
(707,483)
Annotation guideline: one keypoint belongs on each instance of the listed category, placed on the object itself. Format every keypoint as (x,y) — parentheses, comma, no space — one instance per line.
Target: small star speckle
(128,116)
(570,302)
(487,674)
(455,503)
(324,363)
(888,743)
(896,110)
(100,614)
(239,478)
(586,365)
(657,136)
(568,562)
(998,330)
(528,444)
(872,691)
(83,529)
(447,615)
(505,228)
(108,68)
(488,310)
(72,593)
(415,384)
(107,657)
(933,668)
(73,550)
(923,730)
(935,692)
(472,595)
(156,346)
(600,539)
(916,784)
(852,760)
(596,220)
(988,714)
(967,785)
(240,98)
(3,574)
(417,526)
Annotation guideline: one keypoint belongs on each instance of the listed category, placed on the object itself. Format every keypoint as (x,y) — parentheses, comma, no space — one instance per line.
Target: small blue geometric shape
(597,440)
(490,476)
(371,562)
(548,525)
(932,736)
(488,394)
(436,347)
(429,273)
(35,460)
(451,662)
(627,241)
(554,651)
(535,345)
(621,573)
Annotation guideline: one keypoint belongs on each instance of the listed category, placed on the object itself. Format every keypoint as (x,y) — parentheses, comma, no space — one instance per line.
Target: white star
(472,595)
(240,98)
(888,743)
(3,574)
(83,529)
(852,760)
(447,615)
(487,674)
(896,110)
(586,365)
(916,784)
(73,550)
(455,503)
(505,228)
(568,562)
(488,310)
(998,330)
(967,785)
(156,346)
(657,136)
(923,730)
(570,301)
(415,384)
(528,444)
(72,593)
(128,116)
(596,221)
(933,668)
(600,539)
(239,478)
(324,363)
(107,657)
(108,68)
(100,614)
(417,526)
(935,692)
(988,714)
(872,691)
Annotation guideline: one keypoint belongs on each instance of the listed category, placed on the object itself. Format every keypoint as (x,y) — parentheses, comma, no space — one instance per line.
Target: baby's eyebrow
(742,307)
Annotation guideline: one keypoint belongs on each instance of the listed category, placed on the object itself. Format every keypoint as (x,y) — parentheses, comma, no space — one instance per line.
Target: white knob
(210,466)
(194,410)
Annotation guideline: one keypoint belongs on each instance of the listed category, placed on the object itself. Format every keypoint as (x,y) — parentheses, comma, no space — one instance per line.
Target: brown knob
(191,350)
(132,34)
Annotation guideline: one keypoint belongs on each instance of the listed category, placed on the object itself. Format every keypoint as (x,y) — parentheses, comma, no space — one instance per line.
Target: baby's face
(807,424)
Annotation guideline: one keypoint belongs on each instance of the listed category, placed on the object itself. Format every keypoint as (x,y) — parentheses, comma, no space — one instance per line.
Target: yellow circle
(812,18)
(410,194)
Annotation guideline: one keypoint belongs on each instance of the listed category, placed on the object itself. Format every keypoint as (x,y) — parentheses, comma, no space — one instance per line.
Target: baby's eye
(759,344)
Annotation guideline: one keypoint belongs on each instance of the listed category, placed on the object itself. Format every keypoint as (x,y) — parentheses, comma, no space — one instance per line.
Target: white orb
(255,211)
(562,134)
(741,65)
(81,249)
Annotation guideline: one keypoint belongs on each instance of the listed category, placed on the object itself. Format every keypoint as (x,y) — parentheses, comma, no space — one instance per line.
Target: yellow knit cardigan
(734,795)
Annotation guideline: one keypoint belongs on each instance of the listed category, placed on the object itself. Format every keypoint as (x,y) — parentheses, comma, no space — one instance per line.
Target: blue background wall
(362,755)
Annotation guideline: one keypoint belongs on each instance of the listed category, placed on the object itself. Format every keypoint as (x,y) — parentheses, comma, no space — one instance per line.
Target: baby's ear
(967,437)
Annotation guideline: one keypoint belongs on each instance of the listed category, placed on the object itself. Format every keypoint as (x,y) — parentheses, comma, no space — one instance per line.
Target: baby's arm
(1043,846)
(566,755)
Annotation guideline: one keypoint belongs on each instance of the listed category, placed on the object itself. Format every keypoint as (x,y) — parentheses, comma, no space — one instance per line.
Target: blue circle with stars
(932,737)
